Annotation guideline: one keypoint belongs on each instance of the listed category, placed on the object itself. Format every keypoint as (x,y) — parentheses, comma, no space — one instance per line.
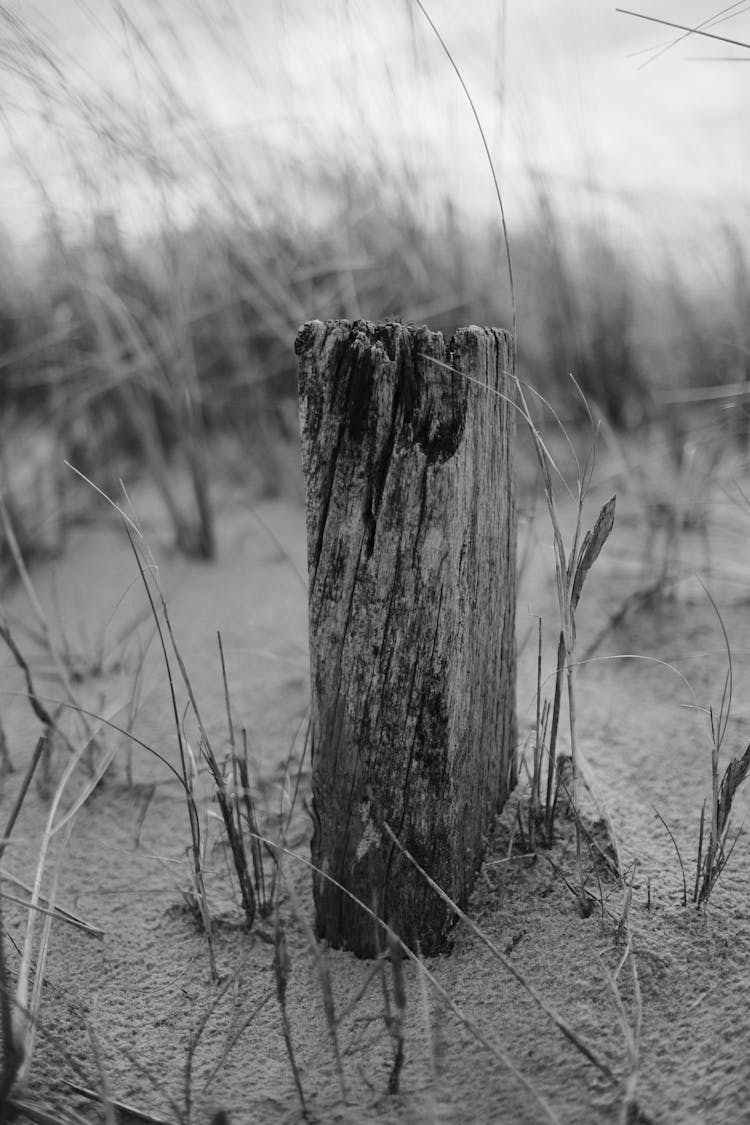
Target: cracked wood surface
(411,531)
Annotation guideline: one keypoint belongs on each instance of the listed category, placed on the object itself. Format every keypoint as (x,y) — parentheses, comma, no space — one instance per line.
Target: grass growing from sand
(135,354)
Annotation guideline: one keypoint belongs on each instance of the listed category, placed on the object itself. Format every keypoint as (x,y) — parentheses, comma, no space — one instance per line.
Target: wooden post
(411,536)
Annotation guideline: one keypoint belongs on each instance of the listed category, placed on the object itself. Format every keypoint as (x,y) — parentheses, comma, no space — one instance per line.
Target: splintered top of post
(313,333)
(374,375)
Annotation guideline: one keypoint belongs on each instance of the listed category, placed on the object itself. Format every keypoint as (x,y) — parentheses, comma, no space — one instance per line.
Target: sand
(134,1009)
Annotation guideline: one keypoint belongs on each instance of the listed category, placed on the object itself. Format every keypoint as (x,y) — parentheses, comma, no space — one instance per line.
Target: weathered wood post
(411,535)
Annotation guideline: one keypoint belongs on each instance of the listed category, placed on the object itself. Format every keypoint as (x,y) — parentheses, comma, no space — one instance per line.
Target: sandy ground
(137,1007)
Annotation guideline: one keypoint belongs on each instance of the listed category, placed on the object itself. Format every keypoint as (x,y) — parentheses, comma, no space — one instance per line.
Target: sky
(101,103)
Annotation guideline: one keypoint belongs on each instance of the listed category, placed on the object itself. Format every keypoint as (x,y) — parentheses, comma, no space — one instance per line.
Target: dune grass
(144,354)
(139,351)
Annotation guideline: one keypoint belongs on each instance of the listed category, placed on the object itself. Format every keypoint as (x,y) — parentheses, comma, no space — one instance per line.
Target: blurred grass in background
(148,326)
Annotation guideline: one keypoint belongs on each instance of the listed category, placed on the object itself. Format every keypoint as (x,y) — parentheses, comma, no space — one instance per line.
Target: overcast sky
(560,85)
